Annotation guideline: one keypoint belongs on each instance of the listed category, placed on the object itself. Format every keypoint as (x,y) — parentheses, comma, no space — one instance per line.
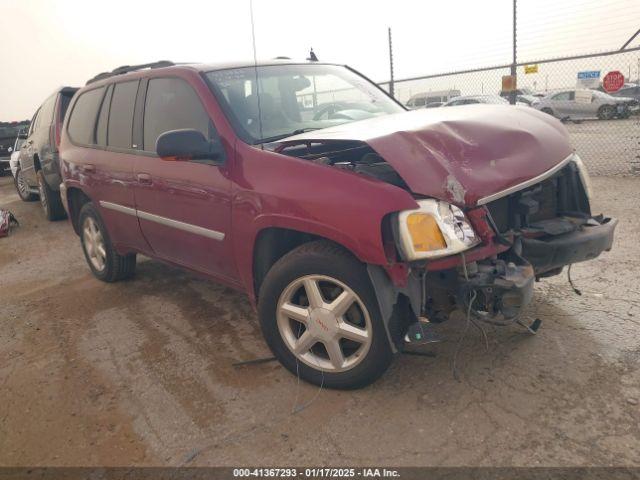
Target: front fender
(275,190)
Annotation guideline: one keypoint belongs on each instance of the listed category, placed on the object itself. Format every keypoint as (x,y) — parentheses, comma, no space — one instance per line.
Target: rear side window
(172,104)
(121,114)
(83,116)
(65,99)
(101,128)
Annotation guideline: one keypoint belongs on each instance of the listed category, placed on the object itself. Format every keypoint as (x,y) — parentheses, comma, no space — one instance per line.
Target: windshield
(295,98)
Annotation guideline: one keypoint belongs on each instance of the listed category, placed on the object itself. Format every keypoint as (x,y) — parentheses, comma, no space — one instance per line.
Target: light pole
(513,94)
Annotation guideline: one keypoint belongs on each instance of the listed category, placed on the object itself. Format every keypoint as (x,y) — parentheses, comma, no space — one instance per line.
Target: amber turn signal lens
(425,233)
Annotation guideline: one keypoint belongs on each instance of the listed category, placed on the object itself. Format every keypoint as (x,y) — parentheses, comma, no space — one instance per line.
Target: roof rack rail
(130,68)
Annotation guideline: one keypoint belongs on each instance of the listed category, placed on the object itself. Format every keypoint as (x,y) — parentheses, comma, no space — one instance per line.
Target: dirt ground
(140,372)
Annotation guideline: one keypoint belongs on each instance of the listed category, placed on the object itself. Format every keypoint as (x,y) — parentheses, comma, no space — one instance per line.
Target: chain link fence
(604,129)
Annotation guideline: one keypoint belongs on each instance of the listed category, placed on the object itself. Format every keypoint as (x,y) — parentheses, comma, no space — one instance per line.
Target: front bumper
(553,253)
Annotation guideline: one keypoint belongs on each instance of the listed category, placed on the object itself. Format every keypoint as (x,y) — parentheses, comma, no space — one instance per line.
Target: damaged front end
(487,263)
(495,211)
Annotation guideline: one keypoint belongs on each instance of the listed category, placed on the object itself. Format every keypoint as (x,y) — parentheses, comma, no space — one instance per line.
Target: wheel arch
(76,199)
(36,163)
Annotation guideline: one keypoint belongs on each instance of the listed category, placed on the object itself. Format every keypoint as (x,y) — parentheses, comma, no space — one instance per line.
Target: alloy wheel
(324,323)
(94,243)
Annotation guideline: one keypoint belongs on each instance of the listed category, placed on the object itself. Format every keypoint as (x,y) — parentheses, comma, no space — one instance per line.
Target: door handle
(88,168)
(144,178)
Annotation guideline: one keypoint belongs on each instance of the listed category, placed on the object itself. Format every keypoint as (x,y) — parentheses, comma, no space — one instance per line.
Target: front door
(184,207)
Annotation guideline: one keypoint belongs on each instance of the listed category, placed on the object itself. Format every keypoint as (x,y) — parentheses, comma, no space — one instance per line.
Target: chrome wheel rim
(43,197)
(23,189)
(324,323)
(94,243)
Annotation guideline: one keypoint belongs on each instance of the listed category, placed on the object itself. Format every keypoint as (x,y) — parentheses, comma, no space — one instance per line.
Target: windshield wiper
(275,138)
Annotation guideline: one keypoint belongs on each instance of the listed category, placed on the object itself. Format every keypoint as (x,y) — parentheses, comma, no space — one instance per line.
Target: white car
(14,160)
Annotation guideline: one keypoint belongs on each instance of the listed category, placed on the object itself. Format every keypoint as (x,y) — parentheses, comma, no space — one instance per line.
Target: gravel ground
(140,372)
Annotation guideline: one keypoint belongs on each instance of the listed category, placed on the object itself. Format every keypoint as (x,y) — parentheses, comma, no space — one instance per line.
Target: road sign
(531,68)
(613,81)
(588,79)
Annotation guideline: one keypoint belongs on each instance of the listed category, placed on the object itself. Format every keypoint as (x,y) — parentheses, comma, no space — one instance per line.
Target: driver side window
(172,104)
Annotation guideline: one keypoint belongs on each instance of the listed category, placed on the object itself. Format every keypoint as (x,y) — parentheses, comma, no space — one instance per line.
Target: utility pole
(391,86)
(513,94)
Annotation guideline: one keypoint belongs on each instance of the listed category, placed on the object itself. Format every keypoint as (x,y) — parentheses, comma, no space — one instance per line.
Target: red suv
(346,219)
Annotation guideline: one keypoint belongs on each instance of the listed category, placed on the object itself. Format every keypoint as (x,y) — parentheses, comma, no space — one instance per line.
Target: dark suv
(38,172)
(345,218)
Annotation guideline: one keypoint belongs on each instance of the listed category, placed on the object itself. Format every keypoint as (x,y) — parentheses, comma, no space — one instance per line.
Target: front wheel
(104,261)
(319,315)
(606,112)
(49,199)
(22,187)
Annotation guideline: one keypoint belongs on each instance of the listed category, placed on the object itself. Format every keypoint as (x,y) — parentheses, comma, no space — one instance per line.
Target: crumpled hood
(460,154)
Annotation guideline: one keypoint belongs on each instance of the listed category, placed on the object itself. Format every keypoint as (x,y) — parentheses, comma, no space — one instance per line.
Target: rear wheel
(22,187)
(105,263)
(49,199)
(606,112)
(319,316)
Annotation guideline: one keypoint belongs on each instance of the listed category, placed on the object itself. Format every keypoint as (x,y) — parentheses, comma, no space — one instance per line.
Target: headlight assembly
(434,230)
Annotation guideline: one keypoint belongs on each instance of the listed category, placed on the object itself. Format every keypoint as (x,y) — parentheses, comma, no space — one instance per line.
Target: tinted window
(83,116)
(101,128)
(121,114)
(172,104)
(46,112)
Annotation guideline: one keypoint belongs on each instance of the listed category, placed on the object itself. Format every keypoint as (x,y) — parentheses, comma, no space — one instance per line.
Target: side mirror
(188,144)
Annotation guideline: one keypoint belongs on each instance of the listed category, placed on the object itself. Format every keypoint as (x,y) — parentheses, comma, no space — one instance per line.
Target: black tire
(606,112)
(50,200)
(325,259)
(116,267)
(23,192)
(548,111)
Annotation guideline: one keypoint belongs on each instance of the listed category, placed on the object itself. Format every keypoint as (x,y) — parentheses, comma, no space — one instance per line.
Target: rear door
(100,126)
(38,145)
(184,207)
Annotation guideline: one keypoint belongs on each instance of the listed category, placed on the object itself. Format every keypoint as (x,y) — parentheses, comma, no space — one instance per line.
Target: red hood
(460,154)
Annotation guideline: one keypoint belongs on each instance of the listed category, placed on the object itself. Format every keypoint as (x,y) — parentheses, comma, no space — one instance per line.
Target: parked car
(39,172)
(567,104)
(629,91)
(474,99)
(529,100)
(14,164)
(342,233)
(431,99)
(524,91)
(8,133)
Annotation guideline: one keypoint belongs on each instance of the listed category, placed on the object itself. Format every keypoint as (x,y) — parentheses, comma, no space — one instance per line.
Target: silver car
(584,104)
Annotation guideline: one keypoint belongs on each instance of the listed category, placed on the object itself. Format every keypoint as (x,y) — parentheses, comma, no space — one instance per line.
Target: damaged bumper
(552,253)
